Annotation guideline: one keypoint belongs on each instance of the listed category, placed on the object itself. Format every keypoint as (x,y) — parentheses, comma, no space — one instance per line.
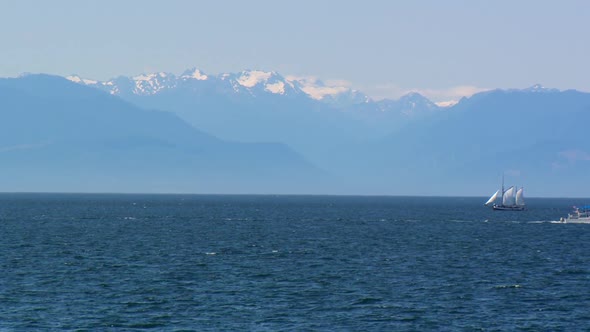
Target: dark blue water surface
(269,263)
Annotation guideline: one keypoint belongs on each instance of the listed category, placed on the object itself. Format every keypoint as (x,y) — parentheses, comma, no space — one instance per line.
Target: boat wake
(542,222)
(556,222)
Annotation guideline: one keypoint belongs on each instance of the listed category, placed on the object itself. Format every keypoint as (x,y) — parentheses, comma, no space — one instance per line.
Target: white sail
(520,197)
(508,197)
(493,198)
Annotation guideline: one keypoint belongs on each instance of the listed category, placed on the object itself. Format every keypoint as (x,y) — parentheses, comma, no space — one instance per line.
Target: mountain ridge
(249,81)
(254,105)
(407,146)
(57,134)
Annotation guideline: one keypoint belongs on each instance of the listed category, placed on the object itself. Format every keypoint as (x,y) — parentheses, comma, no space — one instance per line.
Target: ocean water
(289,263)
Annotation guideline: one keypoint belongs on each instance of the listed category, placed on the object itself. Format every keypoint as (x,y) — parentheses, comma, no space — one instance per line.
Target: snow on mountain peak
(315,88)
(149,77)
(335,92)
(80,80)
(538,88)
(149,84)
(278,87)
(252,78)
(74,78)
(271,81)
(253,82)
(320,92)
(194,74)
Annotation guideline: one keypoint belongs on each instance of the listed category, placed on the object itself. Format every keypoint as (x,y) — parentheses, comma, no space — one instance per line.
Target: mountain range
(56,135)
(261,132)
(258,106)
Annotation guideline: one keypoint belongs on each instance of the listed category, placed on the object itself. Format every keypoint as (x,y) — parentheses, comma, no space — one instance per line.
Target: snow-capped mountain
(195,74)
(336,94)
(81,132)
(258,106)
(539,89)
(252,83)
(257,82)
(143,85)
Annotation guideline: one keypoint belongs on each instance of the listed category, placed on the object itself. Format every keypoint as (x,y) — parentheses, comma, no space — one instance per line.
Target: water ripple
(125,262)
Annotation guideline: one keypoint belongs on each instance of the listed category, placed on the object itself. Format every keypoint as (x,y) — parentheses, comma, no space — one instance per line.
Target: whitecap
(508,286)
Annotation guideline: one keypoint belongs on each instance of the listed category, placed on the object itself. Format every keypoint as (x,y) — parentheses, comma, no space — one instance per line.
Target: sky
(442,49)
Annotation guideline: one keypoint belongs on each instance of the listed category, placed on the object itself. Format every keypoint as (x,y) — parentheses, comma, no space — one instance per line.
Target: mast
(503,192)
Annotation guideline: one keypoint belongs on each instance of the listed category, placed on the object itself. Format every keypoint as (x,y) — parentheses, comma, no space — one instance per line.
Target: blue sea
(289,263)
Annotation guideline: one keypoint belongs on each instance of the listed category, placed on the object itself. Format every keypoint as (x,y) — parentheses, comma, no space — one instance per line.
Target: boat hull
(577,221)
(508,208)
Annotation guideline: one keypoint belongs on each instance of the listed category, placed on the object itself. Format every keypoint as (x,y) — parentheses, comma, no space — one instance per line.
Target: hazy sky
(443,49)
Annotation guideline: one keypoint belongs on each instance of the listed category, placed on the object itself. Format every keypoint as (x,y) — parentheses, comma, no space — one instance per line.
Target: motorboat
(580,215)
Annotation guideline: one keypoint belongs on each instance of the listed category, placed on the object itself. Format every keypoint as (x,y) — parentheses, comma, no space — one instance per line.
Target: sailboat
(512,199)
